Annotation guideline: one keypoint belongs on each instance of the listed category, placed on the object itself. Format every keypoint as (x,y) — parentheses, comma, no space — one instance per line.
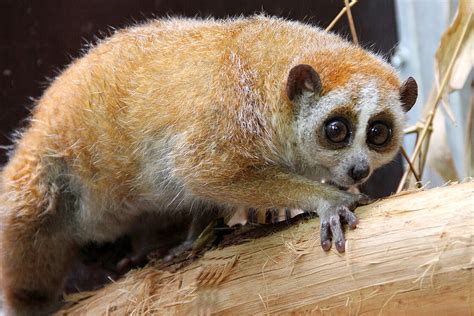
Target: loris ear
(408,94)
(302,79)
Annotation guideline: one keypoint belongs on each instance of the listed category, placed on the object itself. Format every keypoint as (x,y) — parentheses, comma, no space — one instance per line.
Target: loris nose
(359,172)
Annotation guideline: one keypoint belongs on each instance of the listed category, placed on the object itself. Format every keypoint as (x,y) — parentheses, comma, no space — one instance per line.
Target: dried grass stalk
(453,64)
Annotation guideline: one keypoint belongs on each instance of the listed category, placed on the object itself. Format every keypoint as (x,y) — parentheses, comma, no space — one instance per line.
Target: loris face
(344,135)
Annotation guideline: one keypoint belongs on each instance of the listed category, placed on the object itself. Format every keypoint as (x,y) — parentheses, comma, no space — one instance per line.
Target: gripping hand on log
(332,217)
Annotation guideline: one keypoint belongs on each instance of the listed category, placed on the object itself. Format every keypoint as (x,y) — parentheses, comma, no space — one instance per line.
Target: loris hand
(330,225)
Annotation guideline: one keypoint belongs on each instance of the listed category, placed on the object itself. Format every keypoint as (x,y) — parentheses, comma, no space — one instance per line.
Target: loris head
(345,128)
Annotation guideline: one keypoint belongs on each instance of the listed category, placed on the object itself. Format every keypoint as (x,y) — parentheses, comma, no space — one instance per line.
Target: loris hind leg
(36,246)
(199,233)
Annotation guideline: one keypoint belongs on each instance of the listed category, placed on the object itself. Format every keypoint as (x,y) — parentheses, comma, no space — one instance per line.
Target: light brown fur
(206,97)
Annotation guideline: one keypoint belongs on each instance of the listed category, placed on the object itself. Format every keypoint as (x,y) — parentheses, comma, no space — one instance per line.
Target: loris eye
(337,130)
(378,134)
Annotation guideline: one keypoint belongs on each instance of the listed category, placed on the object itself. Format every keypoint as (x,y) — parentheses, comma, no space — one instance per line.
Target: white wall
(421,24)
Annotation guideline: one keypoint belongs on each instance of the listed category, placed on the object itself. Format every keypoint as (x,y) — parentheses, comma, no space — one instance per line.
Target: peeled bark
(412,253)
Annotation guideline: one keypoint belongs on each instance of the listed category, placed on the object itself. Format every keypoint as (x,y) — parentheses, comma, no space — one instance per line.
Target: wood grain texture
(412,253)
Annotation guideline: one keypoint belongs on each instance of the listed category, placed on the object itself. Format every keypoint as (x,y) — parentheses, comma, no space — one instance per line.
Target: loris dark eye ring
(378,134)
(337,131)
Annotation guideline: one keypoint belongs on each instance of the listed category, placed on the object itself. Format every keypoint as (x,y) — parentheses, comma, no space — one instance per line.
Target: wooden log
(411,254)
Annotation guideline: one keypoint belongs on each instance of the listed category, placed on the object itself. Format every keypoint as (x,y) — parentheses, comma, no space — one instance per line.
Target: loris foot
(192,242)
(179,250)
(213,232)
(129,263)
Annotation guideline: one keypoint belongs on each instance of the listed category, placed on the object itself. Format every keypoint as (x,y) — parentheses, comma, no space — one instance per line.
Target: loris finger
(337,234)
(325,236)
(348,216)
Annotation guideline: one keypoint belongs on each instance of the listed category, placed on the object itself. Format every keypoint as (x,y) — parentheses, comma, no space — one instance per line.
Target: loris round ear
(408,93)
(302,79)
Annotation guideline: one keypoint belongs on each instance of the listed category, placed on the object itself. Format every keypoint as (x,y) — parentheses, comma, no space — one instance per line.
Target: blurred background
(40,38)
